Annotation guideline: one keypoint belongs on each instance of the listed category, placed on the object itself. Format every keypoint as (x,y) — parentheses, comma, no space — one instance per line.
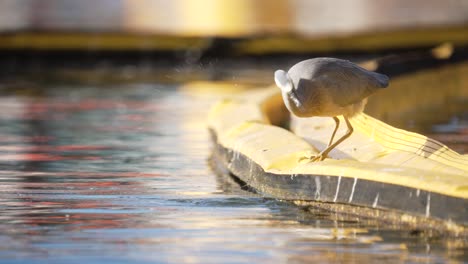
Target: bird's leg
(337,124)
(320,156)
(324,153)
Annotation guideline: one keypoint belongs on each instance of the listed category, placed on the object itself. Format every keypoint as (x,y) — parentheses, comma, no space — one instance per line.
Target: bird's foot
(313,158)
(318,157)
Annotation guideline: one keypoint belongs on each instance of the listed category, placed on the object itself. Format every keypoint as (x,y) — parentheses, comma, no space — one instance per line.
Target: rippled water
(120,174)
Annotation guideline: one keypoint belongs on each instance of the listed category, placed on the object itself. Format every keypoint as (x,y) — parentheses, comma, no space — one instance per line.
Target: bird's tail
(382,79)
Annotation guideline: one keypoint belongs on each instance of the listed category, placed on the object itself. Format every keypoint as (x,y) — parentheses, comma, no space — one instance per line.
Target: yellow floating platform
(380,171)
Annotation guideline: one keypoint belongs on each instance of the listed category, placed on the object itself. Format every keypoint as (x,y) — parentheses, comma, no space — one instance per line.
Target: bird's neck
(291,100)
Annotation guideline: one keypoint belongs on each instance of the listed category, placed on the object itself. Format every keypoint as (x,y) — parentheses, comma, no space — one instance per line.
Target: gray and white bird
(328,87)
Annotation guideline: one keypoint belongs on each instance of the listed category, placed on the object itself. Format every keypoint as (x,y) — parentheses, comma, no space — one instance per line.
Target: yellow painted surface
(207,88)
(227,113)
(376,151)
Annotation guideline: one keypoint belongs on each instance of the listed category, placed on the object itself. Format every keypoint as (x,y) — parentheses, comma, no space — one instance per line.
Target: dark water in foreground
(119,174)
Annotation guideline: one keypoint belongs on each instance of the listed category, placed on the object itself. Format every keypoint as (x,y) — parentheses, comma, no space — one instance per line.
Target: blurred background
(234,27)
(412,23)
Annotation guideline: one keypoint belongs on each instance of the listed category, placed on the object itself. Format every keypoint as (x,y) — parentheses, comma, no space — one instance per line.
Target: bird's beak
(283,81)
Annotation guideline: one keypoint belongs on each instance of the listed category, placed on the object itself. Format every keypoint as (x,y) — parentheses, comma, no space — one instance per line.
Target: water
(120,174)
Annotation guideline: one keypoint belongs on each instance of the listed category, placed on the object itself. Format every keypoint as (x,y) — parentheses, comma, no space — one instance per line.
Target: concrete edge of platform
(384,202)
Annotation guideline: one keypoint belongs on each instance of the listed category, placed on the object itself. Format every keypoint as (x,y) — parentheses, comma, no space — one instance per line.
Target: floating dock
(379,172)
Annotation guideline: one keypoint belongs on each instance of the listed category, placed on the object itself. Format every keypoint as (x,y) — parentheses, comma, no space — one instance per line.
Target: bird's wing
(348,83)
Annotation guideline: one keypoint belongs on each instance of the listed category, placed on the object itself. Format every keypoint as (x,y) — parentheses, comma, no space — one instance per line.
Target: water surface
(120,174)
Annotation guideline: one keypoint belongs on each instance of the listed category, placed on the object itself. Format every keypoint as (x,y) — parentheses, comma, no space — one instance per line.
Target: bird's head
(283,81)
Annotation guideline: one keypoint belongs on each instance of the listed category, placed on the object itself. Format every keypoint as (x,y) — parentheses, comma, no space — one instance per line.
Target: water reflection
(120,174)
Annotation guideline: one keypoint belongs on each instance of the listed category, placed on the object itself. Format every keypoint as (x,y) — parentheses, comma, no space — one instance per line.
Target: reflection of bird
(328,87)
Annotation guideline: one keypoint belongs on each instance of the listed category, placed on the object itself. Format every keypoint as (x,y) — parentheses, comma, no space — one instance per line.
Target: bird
(328,87)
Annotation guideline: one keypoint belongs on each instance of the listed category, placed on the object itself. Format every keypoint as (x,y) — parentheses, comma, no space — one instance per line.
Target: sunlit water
(120,174)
